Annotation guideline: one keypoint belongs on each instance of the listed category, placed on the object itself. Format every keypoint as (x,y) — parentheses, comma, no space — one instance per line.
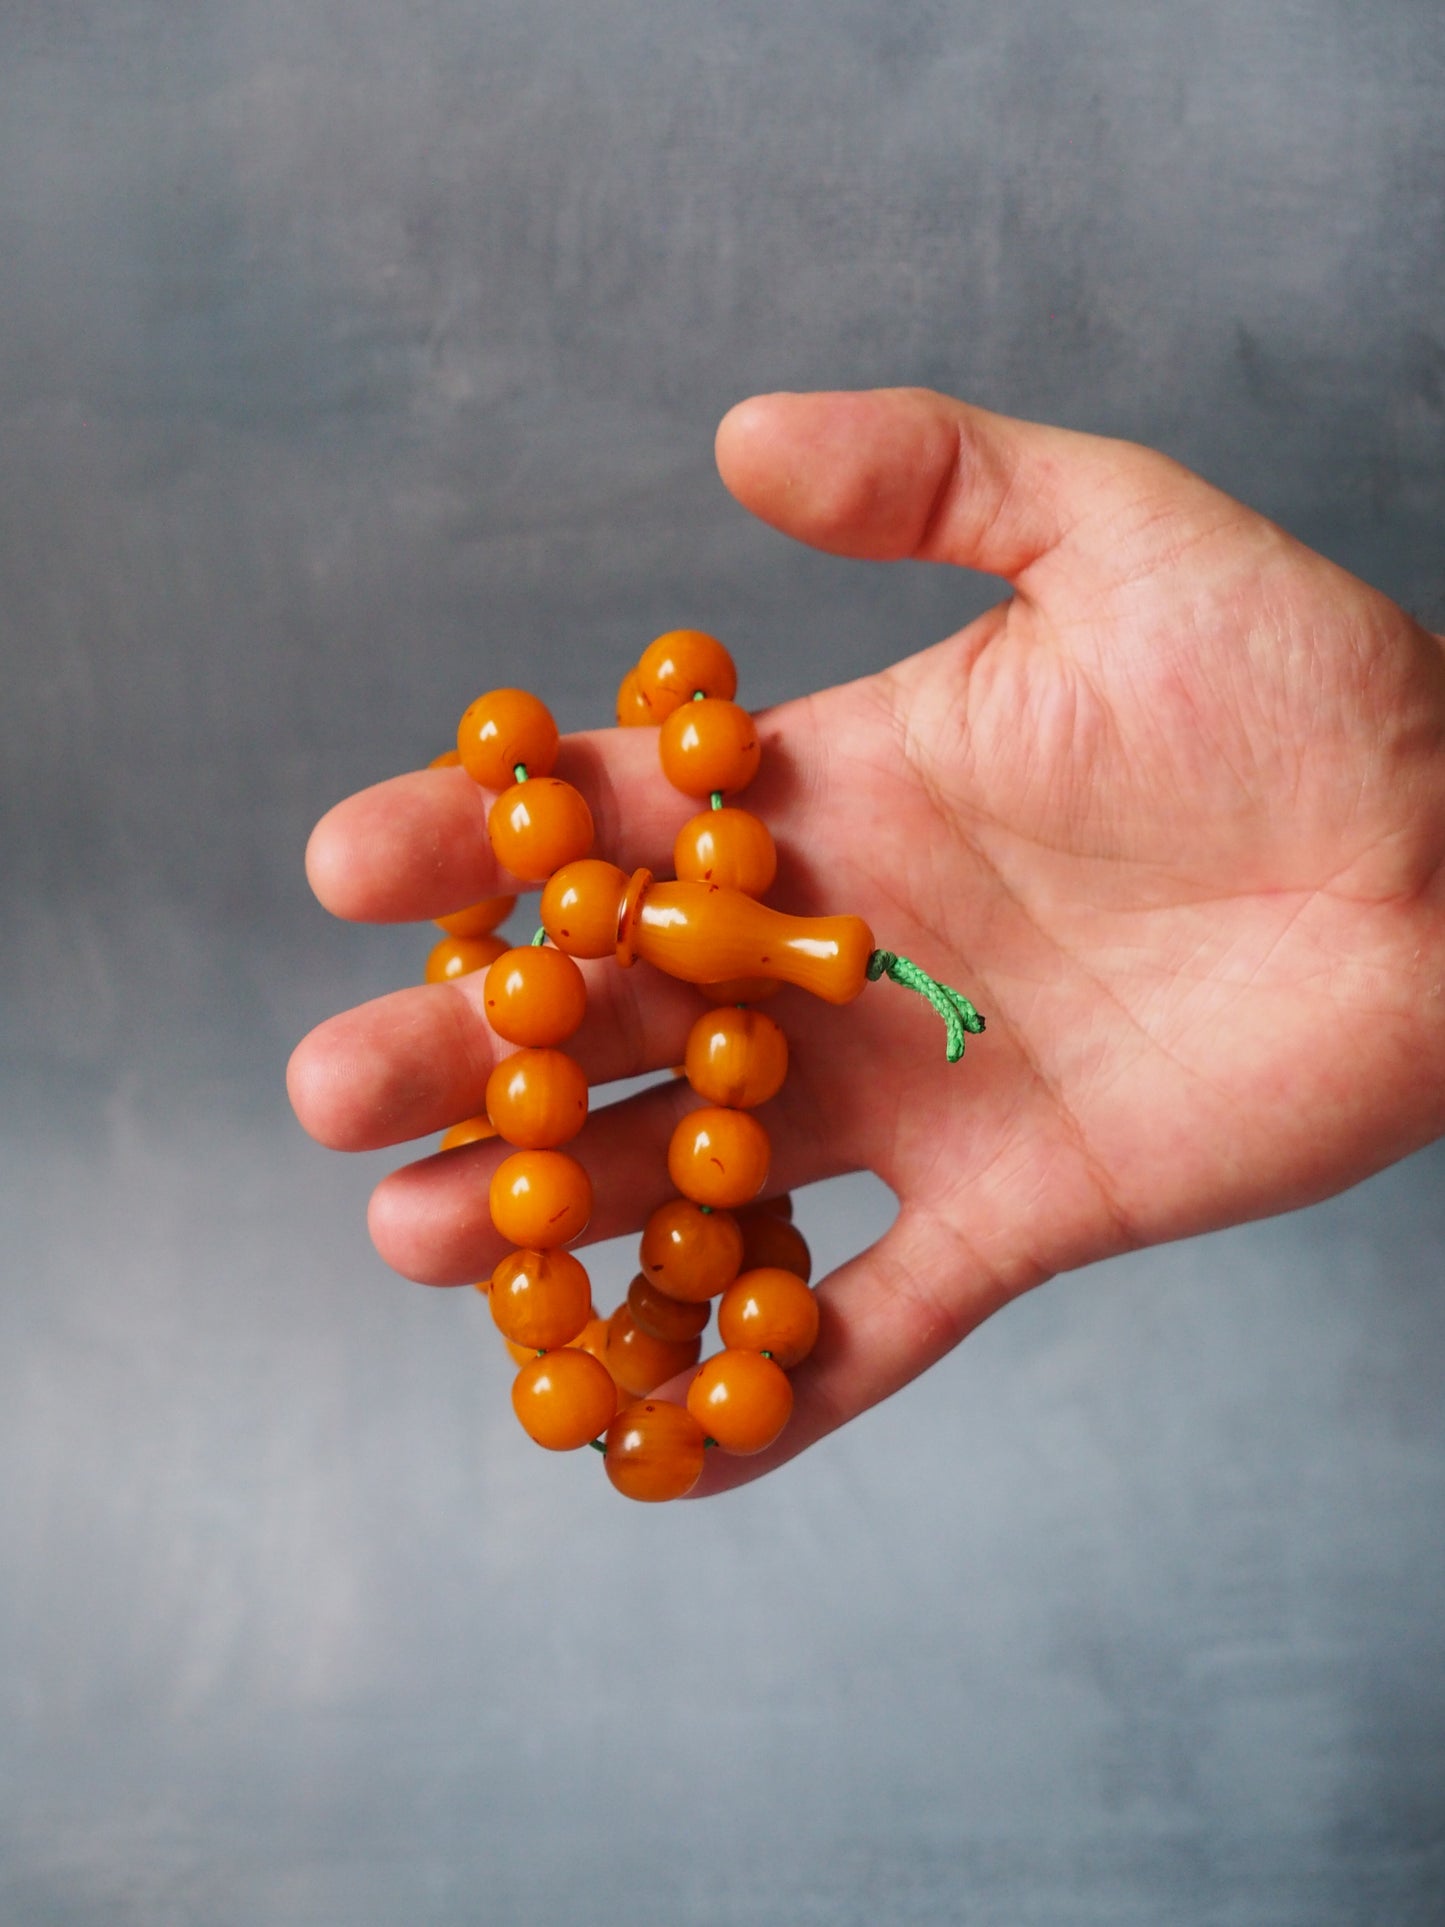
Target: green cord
(540,938)
(953,1007)
(519,770)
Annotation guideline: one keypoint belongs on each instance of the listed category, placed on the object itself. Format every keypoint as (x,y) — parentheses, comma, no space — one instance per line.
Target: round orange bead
(768,1240)
(742,1400)
(728,846)
(502,729)
(654,1451)
(540,1298)
(457,957)
(471,1130)
(769,1310)
(633,709)
(691,1254)
(534,996)
(719,1157)
(638,1361)
(540,1199)
(675,666)
(537,1099)
(564,1400)
(538,826)
(449,759)
(580,905)
(736,1057)
(660,1316)
(478,919)
(709,746)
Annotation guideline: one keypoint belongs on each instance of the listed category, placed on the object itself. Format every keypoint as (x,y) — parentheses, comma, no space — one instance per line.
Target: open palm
(1173,815)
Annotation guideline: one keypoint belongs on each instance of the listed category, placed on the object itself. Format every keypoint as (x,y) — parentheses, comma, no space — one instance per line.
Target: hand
(1172,815)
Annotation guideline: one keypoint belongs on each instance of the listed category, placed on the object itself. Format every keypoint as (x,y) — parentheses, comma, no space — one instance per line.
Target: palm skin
(1173,815)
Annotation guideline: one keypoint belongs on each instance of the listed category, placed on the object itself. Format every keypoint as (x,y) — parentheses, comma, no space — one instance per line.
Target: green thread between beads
(958,1014)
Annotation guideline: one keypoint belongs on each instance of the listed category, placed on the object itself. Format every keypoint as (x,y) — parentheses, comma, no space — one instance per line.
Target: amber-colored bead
(728,846)
(478,919)
(719,1157)
(502,729)
(540,1199)
(742,1400)
(534,996)
(457,957)
(709,746)
(673,667)
(638,1361)
(537,1099)
(520,1354)
(564,1400)
(593,1338)
(449,759)
(736,1057)
(741,990)
(538,826)
(661,1316)
(769,1310)
(471,1130)
(704,934)
(540,1298)
(654,1451)
(691,1254)
(633,709)
(580,905)
(768,1240)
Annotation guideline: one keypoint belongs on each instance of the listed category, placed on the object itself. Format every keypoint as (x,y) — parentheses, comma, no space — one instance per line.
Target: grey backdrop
(353,352)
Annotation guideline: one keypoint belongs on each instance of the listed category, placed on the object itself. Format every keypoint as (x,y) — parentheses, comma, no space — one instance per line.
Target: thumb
(902,472)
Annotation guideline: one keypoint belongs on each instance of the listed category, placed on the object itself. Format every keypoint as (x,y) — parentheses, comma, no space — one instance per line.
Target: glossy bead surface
(769,1240)
(691,1254)
(661,1316)
(540,1298)
(633,709)
(534,996)
(457,957)
(674,666)
(654,1451)
(736,1057)
(502,729)
(709,746)
(538,826)
(537,1099)
(728,846)
(471,1130)
(580,904)
(478,919)
(769,1310)
(540,1199)
(741,990)
(564,1400)
(703,934)
(449,759)
(718,1157)
(638,1361)
(742,1400)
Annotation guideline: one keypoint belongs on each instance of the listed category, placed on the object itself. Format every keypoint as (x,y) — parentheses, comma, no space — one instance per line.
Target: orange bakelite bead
(736,1057)
(691,1254)
(769,1240)
(540,1199)
(638,1361)
(728,846)
(769,1310)
(478,919)
(703,934)
(449,759)
(538,826)
(719,1157)
(540,1298)
(633,709)
(503,729)
(742,1400)
(538,1098)
(580,905)
(707,746)
(654,1451)
(661,1316)
(675,666)
(741,990)
(564,1400)
(471,1130)
(534,996)
(457,957)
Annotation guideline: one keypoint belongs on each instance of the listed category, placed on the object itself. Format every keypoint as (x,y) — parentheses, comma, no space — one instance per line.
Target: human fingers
(418,1060)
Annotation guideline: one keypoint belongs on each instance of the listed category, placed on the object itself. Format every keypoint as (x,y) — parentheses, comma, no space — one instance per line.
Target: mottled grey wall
(349,355)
